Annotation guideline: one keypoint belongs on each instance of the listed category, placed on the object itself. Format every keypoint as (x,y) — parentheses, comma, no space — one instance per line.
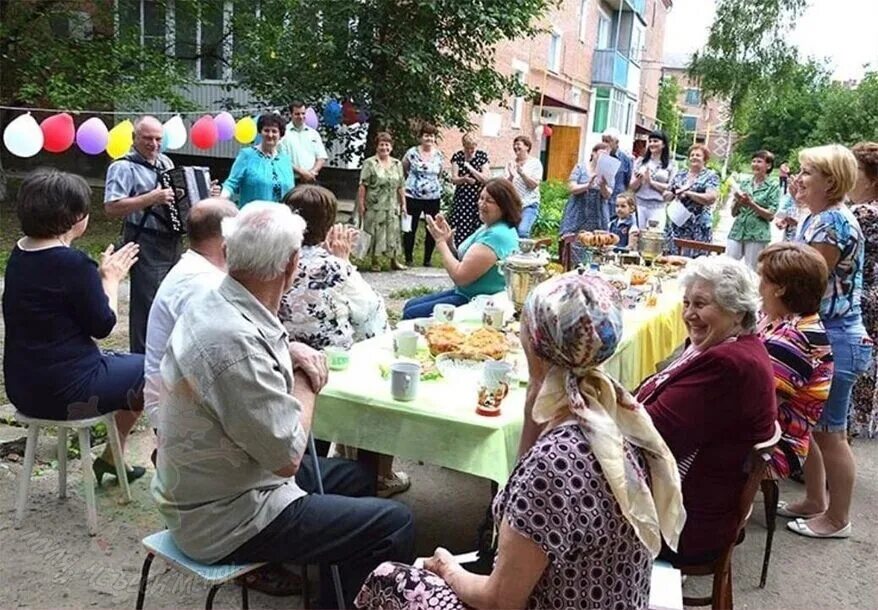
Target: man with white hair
(232,483)
(610,137)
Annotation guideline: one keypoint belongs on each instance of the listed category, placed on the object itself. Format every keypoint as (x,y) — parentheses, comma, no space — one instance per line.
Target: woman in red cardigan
(714,402)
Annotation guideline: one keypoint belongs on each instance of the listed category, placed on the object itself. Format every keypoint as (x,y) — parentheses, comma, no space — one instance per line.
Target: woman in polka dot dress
(469,171)
(580,519)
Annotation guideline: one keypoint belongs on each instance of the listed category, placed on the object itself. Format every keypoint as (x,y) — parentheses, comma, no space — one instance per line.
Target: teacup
(493,387)
(481,301)
(405,343)
(337,358)
(443,312)
(493,317)
(422,324)
(404,377)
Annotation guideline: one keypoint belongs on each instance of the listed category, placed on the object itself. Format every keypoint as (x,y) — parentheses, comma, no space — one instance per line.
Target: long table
(441,425)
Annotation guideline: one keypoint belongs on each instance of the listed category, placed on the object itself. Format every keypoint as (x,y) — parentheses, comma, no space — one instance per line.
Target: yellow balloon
(120,139)
(245,130)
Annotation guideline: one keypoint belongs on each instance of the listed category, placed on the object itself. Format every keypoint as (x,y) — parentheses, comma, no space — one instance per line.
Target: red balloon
(547,131)
(204,133)
(58,132)
(349,113)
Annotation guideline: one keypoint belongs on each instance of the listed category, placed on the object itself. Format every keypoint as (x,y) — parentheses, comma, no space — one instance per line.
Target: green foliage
(669,112)
(404,62)
(410,293)
(53,53)
(745,50)
(553,197)
(848,115)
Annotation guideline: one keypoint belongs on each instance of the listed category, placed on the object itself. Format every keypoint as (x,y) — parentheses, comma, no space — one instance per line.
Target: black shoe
(101,467)
(409,262)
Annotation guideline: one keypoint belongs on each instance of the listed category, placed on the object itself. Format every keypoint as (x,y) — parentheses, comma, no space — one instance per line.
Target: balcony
(637,6)
(610,67)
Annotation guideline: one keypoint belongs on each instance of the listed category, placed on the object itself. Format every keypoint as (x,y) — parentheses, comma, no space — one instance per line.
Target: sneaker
(390,486)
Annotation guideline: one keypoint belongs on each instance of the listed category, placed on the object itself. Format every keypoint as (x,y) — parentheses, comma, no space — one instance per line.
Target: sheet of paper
(678,213)
(666,591)
(607,167)
(461,559)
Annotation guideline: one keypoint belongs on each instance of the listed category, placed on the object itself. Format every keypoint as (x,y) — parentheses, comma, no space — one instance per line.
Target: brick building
(598,66)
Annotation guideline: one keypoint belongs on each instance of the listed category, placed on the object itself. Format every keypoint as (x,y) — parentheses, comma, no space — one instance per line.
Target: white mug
(443,312)
(405,343)
(404,377)
(493,317)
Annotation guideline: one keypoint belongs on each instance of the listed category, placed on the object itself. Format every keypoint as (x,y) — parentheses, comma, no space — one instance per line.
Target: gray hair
(735,286)
(262,238)
(612,132)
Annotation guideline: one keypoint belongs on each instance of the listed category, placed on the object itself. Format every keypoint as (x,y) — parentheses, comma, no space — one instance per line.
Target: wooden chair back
(702,246)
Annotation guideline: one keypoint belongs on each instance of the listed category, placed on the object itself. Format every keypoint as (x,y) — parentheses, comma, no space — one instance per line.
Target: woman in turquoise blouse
(261,172)
(473,266)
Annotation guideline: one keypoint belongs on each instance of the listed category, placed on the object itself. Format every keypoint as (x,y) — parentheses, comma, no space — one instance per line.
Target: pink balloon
(58,132)
(225,126)
(91,137)
(311,118)
(204,132)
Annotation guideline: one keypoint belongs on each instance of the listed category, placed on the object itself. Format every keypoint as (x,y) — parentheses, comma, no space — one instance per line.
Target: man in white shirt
(303,145)
(202,267)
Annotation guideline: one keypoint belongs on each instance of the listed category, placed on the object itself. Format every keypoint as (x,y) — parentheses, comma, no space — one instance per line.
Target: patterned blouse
(330,303)
(802,360)
(836,226)
(423,178)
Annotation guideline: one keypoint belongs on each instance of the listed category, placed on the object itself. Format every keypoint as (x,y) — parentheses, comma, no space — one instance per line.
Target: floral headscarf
(574,322)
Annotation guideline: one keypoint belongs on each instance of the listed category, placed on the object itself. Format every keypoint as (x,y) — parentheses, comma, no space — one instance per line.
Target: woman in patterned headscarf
(578,520)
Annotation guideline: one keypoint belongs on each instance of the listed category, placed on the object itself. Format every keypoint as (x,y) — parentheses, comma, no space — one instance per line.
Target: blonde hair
(837,163)
(469,139)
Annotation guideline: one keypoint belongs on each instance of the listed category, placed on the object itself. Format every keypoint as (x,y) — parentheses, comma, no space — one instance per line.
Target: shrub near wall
(553,198)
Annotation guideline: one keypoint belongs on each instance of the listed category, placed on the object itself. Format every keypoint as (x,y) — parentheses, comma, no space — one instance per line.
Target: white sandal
(801,528)
(396,484)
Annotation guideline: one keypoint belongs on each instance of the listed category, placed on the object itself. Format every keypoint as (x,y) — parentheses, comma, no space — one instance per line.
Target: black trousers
(415,207)
(158,253)
(344,527)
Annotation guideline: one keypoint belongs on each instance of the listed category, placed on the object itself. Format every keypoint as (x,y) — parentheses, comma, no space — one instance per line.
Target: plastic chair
(721,568)
(162,544)
(82,426)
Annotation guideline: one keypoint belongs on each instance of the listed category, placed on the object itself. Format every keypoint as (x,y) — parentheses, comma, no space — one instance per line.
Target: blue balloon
(332,113)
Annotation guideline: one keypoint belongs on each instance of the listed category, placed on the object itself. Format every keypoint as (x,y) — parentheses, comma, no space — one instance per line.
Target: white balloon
(23,136)
(174,133)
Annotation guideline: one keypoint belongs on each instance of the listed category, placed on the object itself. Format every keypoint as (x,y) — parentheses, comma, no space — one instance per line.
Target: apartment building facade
(704,119)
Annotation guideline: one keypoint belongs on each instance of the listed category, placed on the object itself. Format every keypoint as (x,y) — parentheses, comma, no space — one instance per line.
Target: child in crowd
(788,214)
(624,223)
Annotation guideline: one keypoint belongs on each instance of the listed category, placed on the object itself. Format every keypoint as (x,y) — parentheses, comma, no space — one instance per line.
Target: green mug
(337,358)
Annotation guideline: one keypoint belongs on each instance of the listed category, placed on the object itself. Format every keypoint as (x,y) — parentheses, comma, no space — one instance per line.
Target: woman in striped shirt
(793,279)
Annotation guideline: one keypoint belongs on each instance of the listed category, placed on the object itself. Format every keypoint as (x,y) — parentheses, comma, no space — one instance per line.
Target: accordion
(190,185)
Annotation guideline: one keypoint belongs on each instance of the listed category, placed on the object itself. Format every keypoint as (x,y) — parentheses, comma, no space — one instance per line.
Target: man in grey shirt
(133,192)
(231,482)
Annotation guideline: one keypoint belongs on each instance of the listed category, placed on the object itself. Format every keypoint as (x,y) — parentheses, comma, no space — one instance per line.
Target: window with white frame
(638,35)
(605,31)
(693,97)
(555,45)
(689,122)
(520,72)
(583,13)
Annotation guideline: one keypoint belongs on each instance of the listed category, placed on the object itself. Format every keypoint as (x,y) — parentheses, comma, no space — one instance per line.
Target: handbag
(364,240)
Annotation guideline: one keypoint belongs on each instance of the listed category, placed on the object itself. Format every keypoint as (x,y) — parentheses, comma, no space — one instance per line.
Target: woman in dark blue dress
(57,301)
(586,209)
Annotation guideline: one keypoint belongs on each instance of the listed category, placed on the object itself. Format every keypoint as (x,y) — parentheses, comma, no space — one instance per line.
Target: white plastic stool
(82,426)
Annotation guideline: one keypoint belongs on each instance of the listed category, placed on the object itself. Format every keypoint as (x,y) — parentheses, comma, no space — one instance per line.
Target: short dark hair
(50,202)
(766,156)
(206,219)
(524,140)
(427,129)
(271,119)
(317,205)
(800,270)
(296,103)
(505,196)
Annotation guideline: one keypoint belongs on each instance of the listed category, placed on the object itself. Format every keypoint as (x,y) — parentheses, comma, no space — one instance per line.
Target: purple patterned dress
(558,498)
(863,418)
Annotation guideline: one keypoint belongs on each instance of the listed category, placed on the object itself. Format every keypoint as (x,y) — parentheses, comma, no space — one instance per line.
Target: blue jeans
(528,218)
(422,307)
(852,354)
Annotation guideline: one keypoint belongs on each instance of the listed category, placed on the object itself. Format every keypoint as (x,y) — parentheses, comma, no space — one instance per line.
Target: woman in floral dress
(469,172)
(695,188)
(864,408)
(586,209)
(580,519)
(381,202)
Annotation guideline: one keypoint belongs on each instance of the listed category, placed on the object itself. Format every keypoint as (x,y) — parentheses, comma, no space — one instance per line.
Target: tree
(781,117)
(54,54)
(668,111)
(746,49)
(403,61)
(848,115)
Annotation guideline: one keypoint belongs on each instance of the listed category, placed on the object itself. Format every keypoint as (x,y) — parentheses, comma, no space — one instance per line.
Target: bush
(553,197)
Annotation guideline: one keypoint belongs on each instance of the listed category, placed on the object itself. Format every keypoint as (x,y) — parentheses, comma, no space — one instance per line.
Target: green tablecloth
(441,425)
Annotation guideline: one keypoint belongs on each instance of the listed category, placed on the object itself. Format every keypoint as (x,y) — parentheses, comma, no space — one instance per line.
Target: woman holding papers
(596,489)
(691,196)
(586,209)
(652,176)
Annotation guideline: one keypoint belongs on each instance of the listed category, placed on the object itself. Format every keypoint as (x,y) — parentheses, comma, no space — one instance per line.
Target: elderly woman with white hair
(714,402)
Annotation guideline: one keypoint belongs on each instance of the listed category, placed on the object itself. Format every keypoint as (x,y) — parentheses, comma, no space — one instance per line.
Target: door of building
(563,152)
